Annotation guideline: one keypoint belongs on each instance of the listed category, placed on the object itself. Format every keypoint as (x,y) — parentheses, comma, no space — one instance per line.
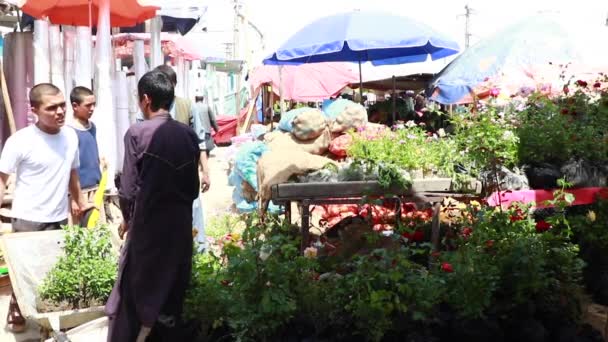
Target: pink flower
(566,90)
(494,92)
(447,267)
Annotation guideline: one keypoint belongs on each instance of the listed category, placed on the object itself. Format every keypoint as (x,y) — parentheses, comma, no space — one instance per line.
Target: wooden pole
(394,100)
(250,110)
(360,82)
(7,102)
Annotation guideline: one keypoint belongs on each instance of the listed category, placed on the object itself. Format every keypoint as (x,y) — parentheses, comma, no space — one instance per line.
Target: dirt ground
(219,197)
(216,201)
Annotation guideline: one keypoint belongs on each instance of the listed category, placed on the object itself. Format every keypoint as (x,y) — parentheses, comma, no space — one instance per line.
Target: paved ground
(216,201)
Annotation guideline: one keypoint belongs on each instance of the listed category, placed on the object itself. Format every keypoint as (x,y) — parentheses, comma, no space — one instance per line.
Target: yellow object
(98,200)
(591,215)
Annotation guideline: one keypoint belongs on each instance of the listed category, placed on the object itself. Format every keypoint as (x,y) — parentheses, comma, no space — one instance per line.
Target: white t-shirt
(42,163)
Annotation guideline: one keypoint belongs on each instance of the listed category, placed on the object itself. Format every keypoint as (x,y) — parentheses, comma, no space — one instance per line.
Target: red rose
(542,226)
(490,243)
(516,217)
(581,83)
(564,111)
(597,85)
(447,267)
(466,232)
(416,236)
(566,90)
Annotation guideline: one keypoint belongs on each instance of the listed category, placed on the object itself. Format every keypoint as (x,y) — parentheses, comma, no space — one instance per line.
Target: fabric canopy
(306,82)
(534,53)
(172,44)
(76,12)
(360,36)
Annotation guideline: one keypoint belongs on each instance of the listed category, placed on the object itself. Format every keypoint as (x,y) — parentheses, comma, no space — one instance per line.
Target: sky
(279,19)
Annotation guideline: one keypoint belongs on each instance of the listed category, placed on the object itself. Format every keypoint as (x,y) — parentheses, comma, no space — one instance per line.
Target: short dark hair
(78,93)
(159,89)
(42,89)
(167,70)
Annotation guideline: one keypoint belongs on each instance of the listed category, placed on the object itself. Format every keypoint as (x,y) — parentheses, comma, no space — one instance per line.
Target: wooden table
(422,192)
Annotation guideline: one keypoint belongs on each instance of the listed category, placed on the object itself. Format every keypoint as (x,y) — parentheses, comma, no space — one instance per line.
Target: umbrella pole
(282,105)
(360,83)
(394,100)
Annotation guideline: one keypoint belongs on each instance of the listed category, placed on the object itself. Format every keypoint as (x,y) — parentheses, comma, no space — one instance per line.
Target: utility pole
(467,25)
(236,54)
(236,33)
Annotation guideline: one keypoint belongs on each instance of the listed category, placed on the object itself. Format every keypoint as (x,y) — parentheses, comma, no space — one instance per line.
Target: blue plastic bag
(335,108)
(246,162)
(285,124)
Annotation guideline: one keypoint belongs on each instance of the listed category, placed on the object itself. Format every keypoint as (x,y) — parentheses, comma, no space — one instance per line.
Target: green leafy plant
(84,275)
(506,259)
(410,149)
(486,140)
(572,125)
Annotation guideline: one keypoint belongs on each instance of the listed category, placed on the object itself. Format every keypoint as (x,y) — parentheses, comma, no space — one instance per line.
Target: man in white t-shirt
(44,158)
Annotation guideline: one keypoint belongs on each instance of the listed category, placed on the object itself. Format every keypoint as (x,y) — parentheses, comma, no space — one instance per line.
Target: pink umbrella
(305,82)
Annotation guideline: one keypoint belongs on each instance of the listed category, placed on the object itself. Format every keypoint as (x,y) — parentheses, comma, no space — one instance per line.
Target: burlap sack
(248,192)
(279,165)
(309,125)
(353,116)
(282,140)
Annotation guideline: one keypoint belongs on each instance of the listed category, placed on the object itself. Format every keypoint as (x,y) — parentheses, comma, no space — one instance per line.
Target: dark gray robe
(158,185)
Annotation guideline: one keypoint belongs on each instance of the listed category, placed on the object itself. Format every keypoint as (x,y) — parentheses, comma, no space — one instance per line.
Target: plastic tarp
(245,169)
(94,331)
(227,125)
(529,54)
(31,256)
(171,44)
(305,82)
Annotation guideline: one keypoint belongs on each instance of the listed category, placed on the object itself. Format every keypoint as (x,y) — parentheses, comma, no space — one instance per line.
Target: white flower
(310,252)
(410,124)
(387,233)
(264,254)
(441,132)
(508,135)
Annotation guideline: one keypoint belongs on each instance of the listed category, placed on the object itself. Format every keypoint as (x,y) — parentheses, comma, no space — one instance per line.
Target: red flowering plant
(502,261)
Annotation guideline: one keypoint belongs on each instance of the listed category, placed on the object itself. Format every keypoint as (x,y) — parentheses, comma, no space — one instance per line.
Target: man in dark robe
(158,185)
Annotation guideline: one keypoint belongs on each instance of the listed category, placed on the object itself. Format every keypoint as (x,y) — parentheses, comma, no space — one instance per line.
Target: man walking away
(158,185)
(207,120)
(182,110)
(83,105)
(45,159)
